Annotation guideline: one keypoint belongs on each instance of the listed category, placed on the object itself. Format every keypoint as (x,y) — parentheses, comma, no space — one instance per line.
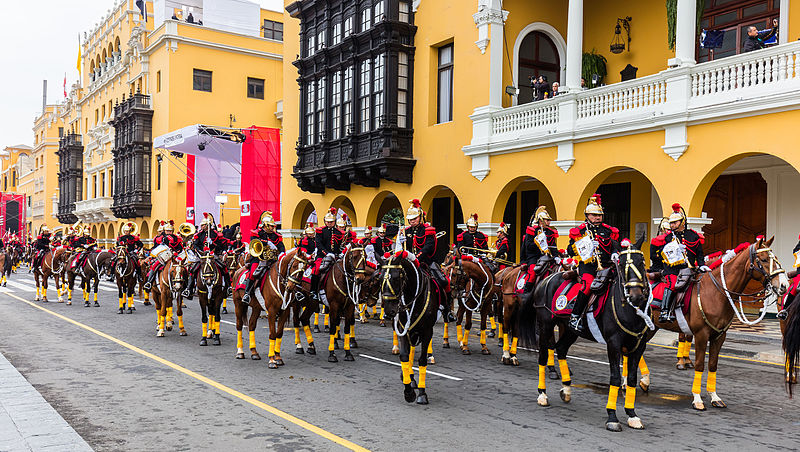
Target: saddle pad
(564,298)
(242,282)
(658,294)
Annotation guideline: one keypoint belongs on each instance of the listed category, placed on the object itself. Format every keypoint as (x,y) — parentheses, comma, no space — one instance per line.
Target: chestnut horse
(471,283)
(170,283)
(340,292)
(712,307)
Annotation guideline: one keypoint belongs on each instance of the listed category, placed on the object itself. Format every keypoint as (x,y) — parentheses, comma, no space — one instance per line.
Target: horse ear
(638,244)
(769,242)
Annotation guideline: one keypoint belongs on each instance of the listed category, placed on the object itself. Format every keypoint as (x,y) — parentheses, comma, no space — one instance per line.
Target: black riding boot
(527,292)
(666,308)
(577,312)
(248,289)
(188,293)
(151,276)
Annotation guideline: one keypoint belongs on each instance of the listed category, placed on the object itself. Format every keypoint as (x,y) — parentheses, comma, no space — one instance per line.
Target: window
(404,10)
(402,89)
(364,93)
(733,18)
(201,80)
(96,116)
(104,112)
(110,182)
(347,100)
(348,26)
(377,11)
(14,177)
(538,56)
(103,184)
(158,172)
(336,38)
(336,105)
(445,98)
(60,132)
(366,19)
(321,109)
(310,113)
(273,30)
(158,81)
(94,186)
(312,46)
(377,91)
(321,39)
(255,88)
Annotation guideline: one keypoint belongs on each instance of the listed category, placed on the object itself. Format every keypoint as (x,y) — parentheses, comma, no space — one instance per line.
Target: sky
(40,42)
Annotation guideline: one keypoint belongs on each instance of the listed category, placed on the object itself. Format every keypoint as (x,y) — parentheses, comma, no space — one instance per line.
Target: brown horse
(274,296)
(232,260)
(61,260)
(170,283)
(211,291)
(42,273)
(472,284)
(126,274)
(712,307)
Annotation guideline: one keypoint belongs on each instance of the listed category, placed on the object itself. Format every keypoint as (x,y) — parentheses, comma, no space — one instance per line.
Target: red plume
(597,198)
(333,210)
(344,216)
(172,222)
(369,228)
(384,225)
(502,225)
(163,222)
(676,208)
(475,216)
(415,202)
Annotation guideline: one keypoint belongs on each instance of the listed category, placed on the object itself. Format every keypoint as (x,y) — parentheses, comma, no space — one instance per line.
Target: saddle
(564,298)
(601,280)
(684,277)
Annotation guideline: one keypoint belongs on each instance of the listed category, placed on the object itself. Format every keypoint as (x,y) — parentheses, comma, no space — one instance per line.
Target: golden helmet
(86,231)
(209,220)
(330,215)
(169,226)
(382,228)
(594,206)
(415,210)
(502,228)
(161,226)
(368,231)
(266,219)
(126,228)
(310,230)
(541,214)
(663,226)
(342,221)
(472,221)
(677,213)
(44,229)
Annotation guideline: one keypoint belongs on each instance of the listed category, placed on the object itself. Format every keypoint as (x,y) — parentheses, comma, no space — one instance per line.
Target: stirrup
(666,316)
(782,314)
(575,322)
(246,298)
(147,286)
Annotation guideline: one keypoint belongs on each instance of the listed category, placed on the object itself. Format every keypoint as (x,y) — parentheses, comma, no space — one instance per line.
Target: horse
(622,325)
(211,291)
(171,281)
(471,283)
(97,263)
(277,295)
(6,263)
(42,273)
(61,259)
(411,299)
(712,308)
(127,275)
(232,261)
(340,291)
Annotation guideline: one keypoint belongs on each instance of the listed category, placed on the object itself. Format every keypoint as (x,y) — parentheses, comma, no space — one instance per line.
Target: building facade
(704,128)
(37,171)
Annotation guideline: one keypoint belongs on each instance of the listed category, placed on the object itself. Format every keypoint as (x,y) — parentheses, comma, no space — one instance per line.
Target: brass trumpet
(255,248)
(477,250)
(186,230)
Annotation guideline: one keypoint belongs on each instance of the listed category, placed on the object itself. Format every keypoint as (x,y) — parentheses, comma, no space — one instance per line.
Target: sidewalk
(759,342)
(27,421)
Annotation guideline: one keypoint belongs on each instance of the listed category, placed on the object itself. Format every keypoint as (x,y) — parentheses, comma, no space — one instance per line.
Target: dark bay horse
(622,325)
(211,291)
(42,273)
(712,307)
(341,289)
(472,284)
(97,263)
(126,274)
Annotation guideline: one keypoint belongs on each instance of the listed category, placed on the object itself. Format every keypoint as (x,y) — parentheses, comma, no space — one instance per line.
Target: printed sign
(673,253)
(541,242)
(585,249)
(244,207)
(190,214)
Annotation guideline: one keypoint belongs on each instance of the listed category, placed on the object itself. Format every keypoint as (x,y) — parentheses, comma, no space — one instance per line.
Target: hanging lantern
(617,42)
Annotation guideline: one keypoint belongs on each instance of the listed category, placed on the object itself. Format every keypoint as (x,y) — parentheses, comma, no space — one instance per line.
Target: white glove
(705,269)
(558,260)
(683,248)
(615,258)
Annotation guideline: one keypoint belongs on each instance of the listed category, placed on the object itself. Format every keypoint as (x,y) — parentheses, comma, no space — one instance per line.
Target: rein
(403,307)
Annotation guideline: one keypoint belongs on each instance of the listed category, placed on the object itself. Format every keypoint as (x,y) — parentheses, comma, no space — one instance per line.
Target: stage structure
(12,214)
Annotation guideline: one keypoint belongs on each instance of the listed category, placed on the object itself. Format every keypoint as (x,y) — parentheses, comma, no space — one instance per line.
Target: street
(121,388)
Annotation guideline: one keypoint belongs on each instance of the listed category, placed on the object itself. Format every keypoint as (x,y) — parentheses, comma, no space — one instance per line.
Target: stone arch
(116,44)
(94,231)
(443,210)
(517,202)
(111,231)
(344,203)
(154,229)
(102,233)
(381,204)
(302,212)
(144,231)
(550,32)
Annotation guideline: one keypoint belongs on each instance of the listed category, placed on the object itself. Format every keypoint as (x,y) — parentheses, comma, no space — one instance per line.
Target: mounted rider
(592,244)
(87,244)
(236,245)
(308,242)
(380,244)
(472,237)
(272,246)
(329,244)
(41,245)
(420,239)
(794,290)
(539,241)
(132,243)
(167,237)
(208,239)
(367,239)
(681,250)
(502,246)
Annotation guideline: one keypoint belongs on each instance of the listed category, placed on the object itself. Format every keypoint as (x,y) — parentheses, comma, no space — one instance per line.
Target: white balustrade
(630,96)
(525,117)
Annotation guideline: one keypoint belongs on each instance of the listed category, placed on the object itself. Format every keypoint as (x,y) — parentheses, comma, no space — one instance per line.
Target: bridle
(629,277)
(395,293)
(126,268)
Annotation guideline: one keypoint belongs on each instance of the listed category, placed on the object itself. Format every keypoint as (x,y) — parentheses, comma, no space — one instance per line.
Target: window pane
(445,93)
(445,55)
(201,80)
(255,88)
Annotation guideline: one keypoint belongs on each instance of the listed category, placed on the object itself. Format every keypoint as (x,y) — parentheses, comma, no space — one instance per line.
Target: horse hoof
(160,333)
(203,342)
(542,400)
(699,406)
(312,350)
(332,358)
(240,355)
(349,357)
(169,327)
(327,329)
(96,304)
(316,329)
(505,360)
(216,341)
(336,344)
(383,323)
(395,351)
(635,423)
(353,343)
(422,398)
(121,311)
(491,334)
(645,387)
(551,373)
(465,351)
(69,303)
(255,356)
(613,426)
(485,351)
(60,299)
(445,344)
(514,361)
(364,320)
(409,394)
(279,360)
(299,351)
(431,360)
(689,365)
(413,382)
(680,366)
(147,303)
(718,404)
(183,333)
(566,395)
(224,310)
(272,365)
(86,305)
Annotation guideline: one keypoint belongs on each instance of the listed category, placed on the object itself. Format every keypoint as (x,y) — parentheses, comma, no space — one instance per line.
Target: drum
(162,253)
(189,256)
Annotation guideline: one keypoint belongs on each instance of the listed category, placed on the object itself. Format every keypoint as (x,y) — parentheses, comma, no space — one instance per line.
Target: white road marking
(415,368)
(21,286)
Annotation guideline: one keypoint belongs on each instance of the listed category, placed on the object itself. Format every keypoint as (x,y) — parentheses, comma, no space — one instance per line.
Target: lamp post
(221,199)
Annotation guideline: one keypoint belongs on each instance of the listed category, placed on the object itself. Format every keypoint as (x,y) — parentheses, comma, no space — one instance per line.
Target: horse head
(209,274)
(398,278)
(765,267)
(297,267)
(632,274)
(121,260)
(177,277)
(355,262)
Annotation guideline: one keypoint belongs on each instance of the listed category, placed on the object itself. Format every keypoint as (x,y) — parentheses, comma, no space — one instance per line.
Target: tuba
(255,248)
(186,230)
(134,229)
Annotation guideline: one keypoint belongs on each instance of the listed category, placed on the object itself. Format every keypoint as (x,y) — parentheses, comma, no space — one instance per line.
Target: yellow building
(711,130)
(12,160)
(224,69)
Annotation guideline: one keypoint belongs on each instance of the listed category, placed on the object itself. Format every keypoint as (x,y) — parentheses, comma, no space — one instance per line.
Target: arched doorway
(385,207)
(102,237)
(111,232)
(304,213)
(537,53)
(344,203)
(517,203)
(443,211)
(144,232)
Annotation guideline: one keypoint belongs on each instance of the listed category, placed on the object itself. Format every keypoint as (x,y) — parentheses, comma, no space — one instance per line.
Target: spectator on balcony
(555,92)
(756,39)
(541,88)
(190,18)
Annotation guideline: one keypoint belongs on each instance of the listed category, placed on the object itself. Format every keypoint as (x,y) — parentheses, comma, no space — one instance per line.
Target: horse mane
(720,258)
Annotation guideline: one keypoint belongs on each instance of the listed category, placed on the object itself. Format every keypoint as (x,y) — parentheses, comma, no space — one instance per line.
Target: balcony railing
(744,84)
(95,210)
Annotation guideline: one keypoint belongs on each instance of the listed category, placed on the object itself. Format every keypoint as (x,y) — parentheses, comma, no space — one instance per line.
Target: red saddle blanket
(658,294)
(241,283)
(564,299)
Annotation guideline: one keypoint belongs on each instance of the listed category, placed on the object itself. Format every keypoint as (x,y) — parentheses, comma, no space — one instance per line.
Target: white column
(783,22)
(574,44)
(685,33)
(490,20)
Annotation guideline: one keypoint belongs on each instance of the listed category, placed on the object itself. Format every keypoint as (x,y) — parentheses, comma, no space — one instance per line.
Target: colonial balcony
(743,85)
(95,210)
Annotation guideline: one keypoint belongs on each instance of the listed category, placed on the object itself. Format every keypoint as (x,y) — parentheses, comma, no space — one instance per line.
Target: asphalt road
(122,388)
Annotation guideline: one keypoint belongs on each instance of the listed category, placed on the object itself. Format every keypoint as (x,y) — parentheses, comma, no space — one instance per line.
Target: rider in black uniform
(273,246)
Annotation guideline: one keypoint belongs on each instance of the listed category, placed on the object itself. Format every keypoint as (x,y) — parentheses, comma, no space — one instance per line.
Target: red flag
(65,85)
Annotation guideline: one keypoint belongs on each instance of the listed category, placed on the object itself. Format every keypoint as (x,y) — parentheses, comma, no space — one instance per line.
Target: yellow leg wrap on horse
(465,337)
(38,291)
(85,296)
(69,294)
(698,378)
(330,343)
(411,353)
(130,301)
(278,345)
(630,396)
(382,312)
(492,324)
(506,345)
(624,367)
(483,337)
(423,371)
(180,322)
(271,348)
(316,319)
(205,329)
(551,355)
(459,333)
(613,391)
(394,339)
(564,368)
(309,337)
(211,322)
(44,292)
(687,348)
(347,341)
(643,367)
(430,348)
(679,353)
(58,290)
(239,340)
(500,330)
(711,382)
(513,349)
(146,296)
(251,339)
(446,334)
(542,383)
(121,302)
(296,336)
(160,322)
(217,326)
(326,318)
(225,303)
(169,312)
(406,366)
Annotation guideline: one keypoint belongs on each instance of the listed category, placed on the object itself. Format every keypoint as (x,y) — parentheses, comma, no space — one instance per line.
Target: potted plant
(593,64)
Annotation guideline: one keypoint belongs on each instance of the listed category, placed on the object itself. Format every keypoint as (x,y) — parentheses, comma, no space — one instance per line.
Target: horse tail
(791,345)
